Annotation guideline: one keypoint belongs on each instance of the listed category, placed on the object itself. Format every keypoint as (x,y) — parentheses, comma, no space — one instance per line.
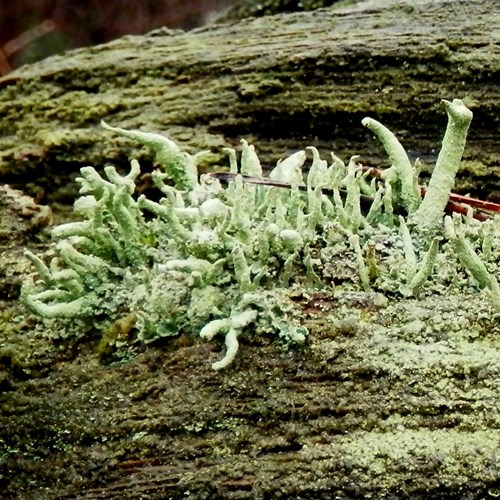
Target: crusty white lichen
(218,259)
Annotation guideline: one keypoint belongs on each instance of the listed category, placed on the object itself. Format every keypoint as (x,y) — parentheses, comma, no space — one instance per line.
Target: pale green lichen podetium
(470,259)
(179,166)
(429,215)
(401,170)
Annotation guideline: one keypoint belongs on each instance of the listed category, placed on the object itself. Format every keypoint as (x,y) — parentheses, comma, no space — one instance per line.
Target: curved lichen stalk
(180,166)
(401,170)
(429,215)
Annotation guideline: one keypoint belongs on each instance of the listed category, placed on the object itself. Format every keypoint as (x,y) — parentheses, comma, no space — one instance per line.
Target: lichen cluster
(213,259)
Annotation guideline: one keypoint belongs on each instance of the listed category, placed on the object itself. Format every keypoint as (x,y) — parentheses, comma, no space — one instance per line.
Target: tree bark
(390,398)
(283,82)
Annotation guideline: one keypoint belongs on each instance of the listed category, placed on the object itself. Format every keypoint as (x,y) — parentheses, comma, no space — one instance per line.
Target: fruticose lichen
(215,259)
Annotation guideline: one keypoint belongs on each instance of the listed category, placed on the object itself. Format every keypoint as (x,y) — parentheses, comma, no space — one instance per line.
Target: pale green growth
(212,259)
(401,170)
(471,260)
(233,327)
(341,212)
(250,163)
(44,272)
(115,229)
(336,171)
(290,169)
(292,240)
(49,305)
(352,204)
(190,265)
(362,268)
(376,206)
(241,269)
(312,278)
(319,207)
(430,213)
(286,275)
(233,162)
(318,175)
(488,235)
(180,166)
(214,209)
(425,268)
(410,257)
(388,204)
(92,252)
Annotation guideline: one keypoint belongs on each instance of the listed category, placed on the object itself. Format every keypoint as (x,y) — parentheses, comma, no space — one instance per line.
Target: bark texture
(391,398)
(283,82)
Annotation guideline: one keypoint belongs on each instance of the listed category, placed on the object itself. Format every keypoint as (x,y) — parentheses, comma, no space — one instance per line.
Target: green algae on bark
(283,82)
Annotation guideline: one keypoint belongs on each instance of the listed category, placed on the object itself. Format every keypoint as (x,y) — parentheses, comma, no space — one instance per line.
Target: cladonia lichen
(220,259)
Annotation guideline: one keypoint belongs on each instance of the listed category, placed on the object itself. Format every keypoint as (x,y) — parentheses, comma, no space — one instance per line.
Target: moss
(115,336)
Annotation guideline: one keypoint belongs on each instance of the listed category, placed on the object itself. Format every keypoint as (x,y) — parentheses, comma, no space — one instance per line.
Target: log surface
(283,82)
(391,398)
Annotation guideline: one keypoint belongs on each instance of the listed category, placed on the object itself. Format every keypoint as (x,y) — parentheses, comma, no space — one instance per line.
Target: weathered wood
(283,82)
(391,398)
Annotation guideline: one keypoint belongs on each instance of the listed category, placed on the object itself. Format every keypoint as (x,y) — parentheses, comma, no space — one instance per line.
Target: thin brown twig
(481,210)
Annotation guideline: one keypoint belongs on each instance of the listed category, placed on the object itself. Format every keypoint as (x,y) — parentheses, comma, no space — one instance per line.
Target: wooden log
(283,82)
(391,398)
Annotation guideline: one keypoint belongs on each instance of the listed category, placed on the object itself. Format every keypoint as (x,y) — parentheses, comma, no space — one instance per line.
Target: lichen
(213,259)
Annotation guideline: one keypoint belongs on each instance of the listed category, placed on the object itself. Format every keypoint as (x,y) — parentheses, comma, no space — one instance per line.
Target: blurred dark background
(33,29)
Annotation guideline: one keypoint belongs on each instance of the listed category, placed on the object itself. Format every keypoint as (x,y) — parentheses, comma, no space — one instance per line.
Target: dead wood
(283,82)
(390,399)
